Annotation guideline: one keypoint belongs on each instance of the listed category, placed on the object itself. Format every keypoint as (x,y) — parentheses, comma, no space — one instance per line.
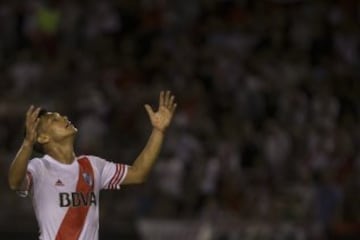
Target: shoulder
(37,166)
(92,158)
(36,162)
(95,161)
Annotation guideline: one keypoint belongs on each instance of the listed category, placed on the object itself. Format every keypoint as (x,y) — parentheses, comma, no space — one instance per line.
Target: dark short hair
(38,147)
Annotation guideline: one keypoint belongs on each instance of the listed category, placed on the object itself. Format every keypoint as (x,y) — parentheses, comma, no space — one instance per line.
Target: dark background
(265,140)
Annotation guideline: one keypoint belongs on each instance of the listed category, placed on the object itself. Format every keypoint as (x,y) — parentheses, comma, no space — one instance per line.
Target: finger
(149,109)
(171,102)
(37,121)
(32,130)
(36,124)
(161,99)
(30,120)
(35,114)
(28,115)
(167,98)
(33,126)
(29,111)
(173,108)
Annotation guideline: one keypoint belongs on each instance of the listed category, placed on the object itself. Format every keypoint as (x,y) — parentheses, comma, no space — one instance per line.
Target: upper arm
(112,174)
(31,178)
(133,176)
(26,185)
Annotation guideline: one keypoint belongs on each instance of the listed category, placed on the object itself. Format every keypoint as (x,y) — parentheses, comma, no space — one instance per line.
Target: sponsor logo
(59,183)
(77,199)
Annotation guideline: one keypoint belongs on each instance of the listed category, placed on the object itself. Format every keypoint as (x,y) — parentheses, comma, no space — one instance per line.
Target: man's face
(54,127)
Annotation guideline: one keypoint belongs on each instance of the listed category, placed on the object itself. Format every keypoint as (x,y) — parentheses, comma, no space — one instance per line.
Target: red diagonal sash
(74,220)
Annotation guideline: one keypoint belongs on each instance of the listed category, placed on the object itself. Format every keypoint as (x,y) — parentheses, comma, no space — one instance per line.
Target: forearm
(18,168)
(160,120)
(149,154)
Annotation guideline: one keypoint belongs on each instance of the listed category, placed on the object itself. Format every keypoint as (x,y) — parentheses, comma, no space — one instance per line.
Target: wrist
(155,129)
(28,143)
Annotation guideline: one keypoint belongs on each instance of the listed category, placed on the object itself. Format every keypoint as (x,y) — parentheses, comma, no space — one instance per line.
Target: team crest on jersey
(87,178)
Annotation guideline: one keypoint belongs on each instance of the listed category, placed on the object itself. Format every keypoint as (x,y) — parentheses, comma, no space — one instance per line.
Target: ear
(43,138)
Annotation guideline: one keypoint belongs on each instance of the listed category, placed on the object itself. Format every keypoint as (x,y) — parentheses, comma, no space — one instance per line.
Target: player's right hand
(31,124)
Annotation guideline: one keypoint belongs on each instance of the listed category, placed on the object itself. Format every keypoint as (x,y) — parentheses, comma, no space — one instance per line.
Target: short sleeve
(31,178)
(111,174)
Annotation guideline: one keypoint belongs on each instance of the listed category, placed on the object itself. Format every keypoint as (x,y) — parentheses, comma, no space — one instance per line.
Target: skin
(56,134)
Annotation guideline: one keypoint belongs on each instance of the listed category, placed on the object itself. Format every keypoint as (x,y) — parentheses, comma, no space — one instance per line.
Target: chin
(73,131)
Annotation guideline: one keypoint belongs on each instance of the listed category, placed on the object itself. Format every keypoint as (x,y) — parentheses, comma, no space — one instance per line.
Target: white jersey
(66,196)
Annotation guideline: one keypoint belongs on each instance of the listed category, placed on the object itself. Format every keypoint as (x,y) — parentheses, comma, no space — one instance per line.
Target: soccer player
(64,187)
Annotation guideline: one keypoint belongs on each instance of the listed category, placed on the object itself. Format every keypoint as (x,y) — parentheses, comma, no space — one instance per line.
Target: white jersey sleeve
(33,175)
(111,174)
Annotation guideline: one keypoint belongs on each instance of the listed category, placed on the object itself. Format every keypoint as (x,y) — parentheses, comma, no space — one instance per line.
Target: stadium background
(265,141)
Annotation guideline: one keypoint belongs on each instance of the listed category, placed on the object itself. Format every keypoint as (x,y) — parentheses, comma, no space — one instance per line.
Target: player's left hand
(161,119)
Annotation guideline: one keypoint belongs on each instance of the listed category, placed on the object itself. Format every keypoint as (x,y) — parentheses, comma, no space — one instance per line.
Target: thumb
(149,109)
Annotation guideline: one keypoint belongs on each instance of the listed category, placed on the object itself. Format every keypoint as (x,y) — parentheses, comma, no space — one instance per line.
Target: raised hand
(31,124)
(161,119)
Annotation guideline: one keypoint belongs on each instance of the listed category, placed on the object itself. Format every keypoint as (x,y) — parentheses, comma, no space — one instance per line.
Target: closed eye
(54,119)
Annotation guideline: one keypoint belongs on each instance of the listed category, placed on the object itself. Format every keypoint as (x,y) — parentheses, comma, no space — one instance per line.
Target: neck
(64,153)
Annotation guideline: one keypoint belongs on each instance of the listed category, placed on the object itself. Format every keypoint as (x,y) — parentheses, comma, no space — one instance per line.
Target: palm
(162,118)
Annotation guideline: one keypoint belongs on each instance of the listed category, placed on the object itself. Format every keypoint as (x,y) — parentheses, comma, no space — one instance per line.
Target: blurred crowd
(266,129)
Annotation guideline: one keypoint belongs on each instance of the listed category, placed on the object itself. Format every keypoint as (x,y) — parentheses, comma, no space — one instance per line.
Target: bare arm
(18,167)
(160,120)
